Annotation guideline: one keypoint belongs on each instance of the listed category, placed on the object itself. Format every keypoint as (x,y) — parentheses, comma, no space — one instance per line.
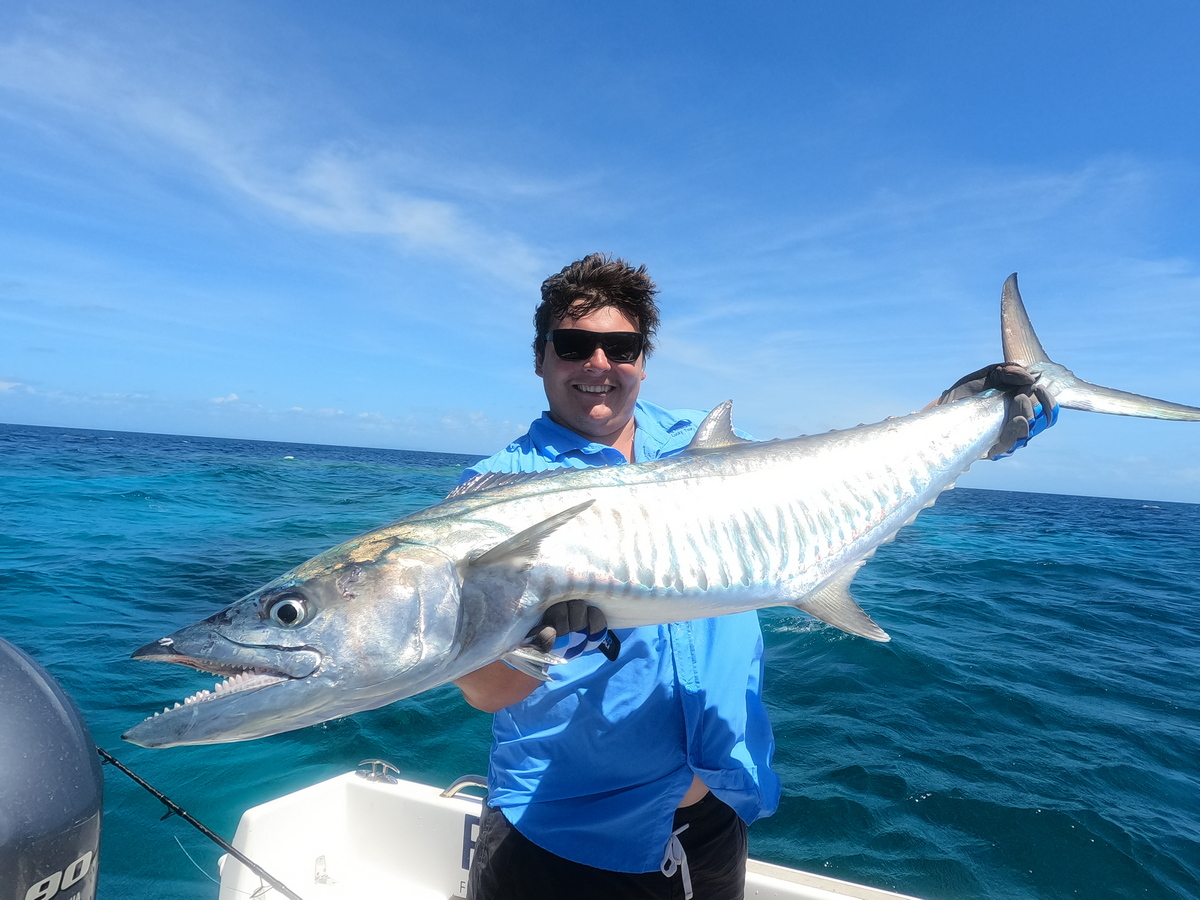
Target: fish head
(339,634)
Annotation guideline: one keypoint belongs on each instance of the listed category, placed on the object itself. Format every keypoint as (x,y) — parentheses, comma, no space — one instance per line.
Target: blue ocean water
(1032,731)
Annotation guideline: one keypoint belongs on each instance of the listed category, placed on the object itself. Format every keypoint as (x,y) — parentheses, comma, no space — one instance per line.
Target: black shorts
(509,866)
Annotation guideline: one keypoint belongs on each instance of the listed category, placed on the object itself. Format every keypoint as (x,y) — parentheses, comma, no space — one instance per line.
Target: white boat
(371,834)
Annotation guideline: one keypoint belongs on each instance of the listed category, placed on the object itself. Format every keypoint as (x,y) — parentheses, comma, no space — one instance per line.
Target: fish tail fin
(1021,346)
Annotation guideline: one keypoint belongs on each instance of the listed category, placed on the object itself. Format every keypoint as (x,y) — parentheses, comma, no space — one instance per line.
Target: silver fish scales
(728,526)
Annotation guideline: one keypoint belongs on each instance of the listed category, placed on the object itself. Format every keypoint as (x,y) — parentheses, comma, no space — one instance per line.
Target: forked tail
(1021,346)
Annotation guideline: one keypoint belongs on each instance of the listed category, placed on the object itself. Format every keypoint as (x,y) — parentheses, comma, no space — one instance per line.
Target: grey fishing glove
(1030,408)
(582,626)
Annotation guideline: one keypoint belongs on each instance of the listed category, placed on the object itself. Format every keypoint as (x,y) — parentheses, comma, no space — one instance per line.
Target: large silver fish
(729,525)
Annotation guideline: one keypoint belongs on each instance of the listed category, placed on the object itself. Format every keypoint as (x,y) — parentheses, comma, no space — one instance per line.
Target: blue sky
(301,221)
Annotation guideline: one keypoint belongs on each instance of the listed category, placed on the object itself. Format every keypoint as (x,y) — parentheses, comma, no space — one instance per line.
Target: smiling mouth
(595,388)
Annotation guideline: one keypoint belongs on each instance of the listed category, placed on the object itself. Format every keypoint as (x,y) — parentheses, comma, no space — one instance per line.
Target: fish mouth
(247,680)
(245,669)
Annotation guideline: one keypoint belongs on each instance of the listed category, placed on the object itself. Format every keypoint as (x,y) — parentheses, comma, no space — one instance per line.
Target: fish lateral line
(725,526)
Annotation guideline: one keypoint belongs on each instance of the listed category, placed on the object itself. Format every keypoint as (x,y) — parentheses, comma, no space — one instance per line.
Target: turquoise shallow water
(1033,729)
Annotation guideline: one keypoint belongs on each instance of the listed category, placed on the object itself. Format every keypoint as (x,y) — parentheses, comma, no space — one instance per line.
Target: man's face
(593,397)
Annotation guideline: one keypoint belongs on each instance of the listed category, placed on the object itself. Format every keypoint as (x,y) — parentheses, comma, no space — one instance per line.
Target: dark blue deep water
(1033,729)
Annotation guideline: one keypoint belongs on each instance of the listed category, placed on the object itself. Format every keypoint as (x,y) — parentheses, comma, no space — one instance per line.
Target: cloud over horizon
(339,233)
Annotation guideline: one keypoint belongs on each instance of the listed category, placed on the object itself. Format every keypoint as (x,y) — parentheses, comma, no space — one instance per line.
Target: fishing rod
(174,809)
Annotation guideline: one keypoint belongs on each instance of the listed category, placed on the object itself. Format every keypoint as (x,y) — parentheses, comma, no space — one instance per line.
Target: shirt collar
(555,441)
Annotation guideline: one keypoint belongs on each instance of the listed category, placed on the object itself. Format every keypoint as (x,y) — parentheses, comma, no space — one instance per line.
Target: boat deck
(353,836)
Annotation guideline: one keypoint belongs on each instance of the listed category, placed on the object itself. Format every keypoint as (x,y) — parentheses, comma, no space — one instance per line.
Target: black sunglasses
(574,344)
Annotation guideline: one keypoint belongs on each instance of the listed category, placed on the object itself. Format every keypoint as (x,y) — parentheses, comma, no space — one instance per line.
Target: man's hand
(586,626)
(1031,410)
(500,684)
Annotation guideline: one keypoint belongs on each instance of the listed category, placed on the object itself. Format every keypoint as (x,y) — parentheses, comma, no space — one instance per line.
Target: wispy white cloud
(452,430)
(871,309)
(861,301)
(912,255)
(258,150)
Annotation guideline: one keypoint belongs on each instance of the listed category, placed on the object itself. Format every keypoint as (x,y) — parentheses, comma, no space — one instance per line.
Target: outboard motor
(51,787)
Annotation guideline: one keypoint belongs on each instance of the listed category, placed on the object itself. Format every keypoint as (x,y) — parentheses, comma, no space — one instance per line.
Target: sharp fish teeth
(247,680)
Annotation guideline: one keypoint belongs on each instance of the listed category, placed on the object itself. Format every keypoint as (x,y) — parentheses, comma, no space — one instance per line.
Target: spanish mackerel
(727,526)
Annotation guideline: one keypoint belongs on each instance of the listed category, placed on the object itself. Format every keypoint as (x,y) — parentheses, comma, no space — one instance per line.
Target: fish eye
(287,610)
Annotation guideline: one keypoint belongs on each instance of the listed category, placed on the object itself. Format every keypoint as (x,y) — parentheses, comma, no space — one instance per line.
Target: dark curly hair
(592,283)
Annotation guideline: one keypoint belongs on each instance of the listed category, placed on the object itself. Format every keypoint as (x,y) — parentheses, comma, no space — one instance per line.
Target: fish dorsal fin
(834,605)
(716,431)
(521,550)
(489,480)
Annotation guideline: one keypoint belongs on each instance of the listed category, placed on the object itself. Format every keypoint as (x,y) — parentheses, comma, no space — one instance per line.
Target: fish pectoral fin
(834,605)
(532,662)
(521,550)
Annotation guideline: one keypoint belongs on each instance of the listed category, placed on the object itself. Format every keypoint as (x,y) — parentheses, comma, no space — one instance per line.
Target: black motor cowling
(51,787)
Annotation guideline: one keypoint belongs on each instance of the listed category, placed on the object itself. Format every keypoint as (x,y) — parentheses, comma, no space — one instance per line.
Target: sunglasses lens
(574,344)
(622,347)
(570,344)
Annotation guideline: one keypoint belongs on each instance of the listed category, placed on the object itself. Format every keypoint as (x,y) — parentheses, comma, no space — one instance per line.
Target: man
(631,767)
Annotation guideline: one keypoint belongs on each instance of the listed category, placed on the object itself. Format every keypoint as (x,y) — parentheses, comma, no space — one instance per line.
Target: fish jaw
(255,704)
(208,650)
(260,683)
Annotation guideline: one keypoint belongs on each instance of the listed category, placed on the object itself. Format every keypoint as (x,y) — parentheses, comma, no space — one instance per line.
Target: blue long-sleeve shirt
(592,765)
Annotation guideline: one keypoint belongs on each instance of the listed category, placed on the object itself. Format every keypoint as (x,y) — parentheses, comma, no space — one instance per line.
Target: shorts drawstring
(675,859)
